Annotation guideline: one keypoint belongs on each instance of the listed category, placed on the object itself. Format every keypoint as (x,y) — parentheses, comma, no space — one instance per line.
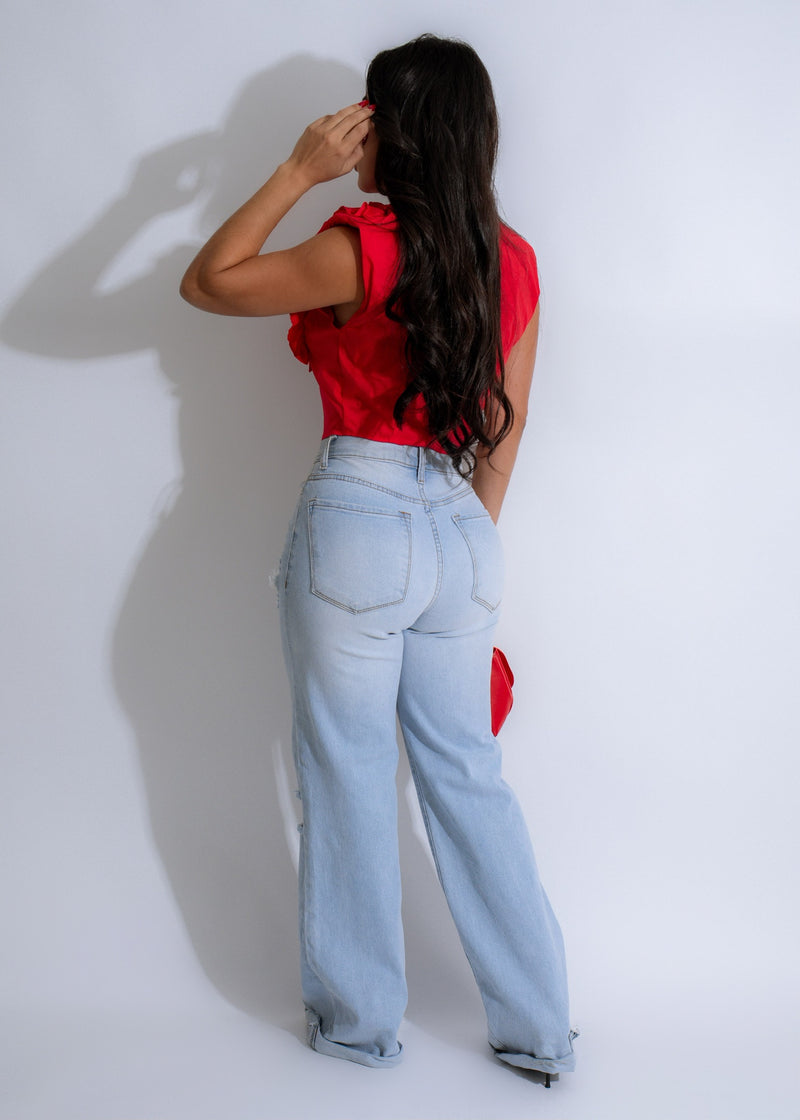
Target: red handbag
(502,696)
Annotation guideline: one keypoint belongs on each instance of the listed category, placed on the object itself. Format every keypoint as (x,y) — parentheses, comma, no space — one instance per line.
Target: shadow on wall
(196,652)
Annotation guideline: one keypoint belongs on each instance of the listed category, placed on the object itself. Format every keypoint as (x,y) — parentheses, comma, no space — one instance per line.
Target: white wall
(151,456)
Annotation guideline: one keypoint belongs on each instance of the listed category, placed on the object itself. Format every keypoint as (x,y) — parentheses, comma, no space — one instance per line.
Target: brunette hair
(437,128)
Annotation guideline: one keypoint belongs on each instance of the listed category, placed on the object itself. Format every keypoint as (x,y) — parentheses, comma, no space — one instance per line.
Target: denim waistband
(417,459)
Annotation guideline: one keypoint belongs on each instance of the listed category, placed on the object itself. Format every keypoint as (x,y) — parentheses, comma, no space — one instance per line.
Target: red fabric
(360,367)
(502,696)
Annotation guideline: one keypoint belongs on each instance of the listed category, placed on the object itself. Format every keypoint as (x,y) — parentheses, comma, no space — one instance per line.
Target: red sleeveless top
(360,367)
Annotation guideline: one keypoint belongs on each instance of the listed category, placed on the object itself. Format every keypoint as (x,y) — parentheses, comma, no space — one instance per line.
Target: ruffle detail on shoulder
(369,217)
(297,337)
(367,214)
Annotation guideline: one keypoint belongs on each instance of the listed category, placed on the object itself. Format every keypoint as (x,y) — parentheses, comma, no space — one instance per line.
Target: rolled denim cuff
(317,1041)
(543,1065)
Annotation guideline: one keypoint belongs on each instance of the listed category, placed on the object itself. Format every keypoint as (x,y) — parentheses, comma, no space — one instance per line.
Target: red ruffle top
(360,367)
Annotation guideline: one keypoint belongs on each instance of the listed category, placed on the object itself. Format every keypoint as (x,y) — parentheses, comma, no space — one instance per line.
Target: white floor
(733,1058)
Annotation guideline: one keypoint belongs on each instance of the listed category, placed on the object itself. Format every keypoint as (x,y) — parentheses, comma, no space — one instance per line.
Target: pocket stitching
(401,516)
(458,518)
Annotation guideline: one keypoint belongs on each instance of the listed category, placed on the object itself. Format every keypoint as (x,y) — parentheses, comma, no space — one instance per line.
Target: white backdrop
(151,456)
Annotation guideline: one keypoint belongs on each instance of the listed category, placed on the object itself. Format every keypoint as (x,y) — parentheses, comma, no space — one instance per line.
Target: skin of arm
(491,476)
(230,275)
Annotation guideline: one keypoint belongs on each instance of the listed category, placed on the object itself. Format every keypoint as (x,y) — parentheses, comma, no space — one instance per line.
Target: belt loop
(421,466)
(326,447)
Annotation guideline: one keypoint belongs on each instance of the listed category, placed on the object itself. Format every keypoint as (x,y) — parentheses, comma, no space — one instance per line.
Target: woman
(419,320)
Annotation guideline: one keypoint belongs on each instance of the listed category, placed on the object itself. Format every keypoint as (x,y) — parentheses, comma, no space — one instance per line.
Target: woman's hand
(332,145)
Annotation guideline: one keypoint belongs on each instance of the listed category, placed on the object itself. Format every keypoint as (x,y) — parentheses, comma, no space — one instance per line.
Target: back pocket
(486,551)
(360,558)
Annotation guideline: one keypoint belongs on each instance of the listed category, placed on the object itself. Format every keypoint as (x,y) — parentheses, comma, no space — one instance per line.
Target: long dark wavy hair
(437,128)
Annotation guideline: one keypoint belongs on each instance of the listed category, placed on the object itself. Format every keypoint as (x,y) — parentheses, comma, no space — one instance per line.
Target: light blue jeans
(388,588)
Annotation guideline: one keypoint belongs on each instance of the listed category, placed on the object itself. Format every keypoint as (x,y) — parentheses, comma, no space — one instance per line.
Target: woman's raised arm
(230,276)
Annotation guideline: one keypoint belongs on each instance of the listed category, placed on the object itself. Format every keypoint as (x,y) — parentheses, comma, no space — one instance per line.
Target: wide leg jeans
(388,588)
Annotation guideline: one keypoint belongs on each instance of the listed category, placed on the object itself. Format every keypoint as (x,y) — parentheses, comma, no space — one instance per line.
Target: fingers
(349,128)
(362,110)
(354,130)
(349,125)
(349,118)
(332,145)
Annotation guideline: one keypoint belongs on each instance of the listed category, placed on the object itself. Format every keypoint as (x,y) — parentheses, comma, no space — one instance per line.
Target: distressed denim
(389,588)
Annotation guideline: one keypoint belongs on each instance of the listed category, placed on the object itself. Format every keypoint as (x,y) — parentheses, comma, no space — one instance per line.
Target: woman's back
(361,365)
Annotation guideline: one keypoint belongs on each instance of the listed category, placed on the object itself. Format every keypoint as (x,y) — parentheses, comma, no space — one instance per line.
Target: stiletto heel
(547,1081)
